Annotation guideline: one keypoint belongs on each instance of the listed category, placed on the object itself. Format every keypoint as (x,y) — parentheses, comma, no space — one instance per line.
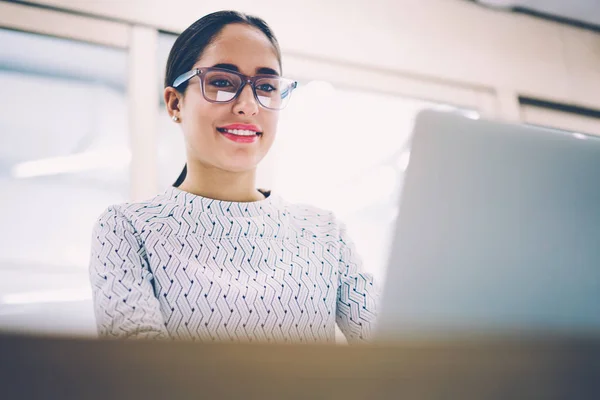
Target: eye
(220,82)
(266,87)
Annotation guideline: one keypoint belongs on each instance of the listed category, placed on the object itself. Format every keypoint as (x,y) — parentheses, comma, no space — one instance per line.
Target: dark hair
(190,45)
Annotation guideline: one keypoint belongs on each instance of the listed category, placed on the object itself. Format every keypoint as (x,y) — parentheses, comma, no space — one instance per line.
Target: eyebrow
(259,71)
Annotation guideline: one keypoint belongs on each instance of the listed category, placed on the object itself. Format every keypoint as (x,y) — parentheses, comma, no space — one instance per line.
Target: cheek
(270,123)
(200,121)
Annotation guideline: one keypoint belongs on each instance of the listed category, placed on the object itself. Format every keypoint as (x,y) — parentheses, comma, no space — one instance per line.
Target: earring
(175,118)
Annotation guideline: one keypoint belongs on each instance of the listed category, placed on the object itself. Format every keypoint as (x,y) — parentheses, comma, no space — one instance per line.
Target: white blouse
(182,266)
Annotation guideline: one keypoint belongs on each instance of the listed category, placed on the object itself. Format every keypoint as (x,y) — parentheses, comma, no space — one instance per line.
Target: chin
(239,167)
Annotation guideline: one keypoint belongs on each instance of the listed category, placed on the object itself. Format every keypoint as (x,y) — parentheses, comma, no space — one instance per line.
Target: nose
(246,104)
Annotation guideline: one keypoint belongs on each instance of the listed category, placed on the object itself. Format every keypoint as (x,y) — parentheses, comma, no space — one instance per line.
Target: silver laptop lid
(498,232)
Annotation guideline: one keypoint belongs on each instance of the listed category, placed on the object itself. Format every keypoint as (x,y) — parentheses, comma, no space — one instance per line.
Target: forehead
(244,46)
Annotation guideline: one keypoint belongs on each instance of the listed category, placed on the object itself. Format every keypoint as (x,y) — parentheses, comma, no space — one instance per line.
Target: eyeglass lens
(221,86)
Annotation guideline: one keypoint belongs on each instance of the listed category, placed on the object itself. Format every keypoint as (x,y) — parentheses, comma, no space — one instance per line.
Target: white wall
(451,41)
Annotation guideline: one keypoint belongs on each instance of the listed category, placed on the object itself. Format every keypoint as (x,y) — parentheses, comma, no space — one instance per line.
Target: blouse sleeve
(357,294)
(124,302)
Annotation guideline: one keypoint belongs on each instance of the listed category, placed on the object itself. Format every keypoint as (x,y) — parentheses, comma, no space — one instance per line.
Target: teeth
(240,132)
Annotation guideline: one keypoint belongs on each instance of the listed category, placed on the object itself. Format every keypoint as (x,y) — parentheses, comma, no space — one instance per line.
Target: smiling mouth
(240,132)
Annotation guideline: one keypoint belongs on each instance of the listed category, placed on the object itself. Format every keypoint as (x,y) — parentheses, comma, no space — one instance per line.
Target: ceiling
(583,11)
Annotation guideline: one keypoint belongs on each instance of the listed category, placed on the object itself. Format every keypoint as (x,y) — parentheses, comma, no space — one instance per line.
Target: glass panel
(346,151)
(64,157)
(562,120)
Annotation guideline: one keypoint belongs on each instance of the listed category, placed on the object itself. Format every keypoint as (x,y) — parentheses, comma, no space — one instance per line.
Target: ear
(173,100)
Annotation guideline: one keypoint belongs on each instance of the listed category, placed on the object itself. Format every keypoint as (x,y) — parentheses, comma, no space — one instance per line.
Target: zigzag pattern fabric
(182,266)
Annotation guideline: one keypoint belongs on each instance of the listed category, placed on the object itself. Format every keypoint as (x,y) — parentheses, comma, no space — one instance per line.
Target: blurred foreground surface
(68,368)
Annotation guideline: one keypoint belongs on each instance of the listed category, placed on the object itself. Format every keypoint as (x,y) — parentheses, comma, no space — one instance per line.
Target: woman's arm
(357,295)
(124,300)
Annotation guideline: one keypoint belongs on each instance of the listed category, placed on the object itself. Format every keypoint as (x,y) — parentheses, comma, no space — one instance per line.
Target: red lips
(245,127)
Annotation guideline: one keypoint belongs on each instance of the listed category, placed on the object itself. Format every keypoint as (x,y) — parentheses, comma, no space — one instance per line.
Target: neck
(217,184)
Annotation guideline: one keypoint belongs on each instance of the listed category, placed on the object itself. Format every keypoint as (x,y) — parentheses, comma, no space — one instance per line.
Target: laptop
(498,233)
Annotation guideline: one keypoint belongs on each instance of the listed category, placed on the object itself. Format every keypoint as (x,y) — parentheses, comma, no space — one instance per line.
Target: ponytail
(181,177)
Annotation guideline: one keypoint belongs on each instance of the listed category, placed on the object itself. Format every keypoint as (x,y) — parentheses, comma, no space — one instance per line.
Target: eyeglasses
(222,86)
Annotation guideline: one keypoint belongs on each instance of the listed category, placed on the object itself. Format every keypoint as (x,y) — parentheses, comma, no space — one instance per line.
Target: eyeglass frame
(246,80)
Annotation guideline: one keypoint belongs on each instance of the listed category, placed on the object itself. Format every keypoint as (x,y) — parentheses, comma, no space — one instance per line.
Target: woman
(214,258)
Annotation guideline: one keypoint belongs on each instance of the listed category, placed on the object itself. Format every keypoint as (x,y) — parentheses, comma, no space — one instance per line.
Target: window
(346,150)
(558,116)
(64,157)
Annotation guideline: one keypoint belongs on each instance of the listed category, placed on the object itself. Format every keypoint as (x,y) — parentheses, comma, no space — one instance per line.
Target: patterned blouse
(182,266)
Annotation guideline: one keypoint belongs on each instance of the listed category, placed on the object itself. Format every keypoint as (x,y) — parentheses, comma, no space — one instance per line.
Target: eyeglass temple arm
(289,89)
(185,77)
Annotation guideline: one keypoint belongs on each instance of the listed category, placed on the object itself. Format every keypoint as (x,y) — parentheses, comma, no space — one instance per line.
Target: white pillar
(143,112)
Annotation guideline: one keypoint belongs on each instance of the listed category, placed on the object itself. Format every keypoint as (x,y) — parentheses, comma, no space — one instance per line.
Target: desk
(60,368)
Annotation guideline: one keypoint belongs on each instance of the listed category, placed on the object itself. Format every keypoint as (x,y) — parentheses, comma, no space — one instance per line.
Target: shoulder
(134,213)
(309,216)
(308,211)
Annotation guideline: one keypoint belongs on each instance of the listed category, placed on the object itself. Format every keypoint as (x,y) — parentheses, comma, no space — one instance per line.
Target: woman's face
(250,52)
